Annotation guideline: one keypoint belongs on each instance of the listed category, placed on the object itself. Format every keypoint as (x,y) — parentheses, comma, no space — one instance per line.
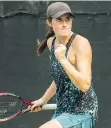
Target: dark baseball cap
(57,9)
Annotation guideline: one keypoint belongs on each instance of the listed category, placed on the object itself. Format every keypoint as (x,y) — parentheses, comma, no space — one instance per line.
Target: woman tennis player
(70,68)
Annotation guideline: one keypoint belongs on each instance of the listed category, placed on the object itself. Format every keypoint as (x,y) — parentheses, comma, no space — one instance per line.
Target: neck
(63,39)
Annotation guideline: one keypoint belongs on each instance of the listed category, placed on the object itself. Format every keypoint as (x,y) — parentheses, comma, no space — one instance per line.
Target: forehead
(65,15)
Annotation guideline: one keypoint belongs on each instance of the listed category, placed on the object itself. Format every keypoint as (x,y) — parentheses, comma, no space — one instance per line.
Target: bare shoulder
(49,42)
(81,44)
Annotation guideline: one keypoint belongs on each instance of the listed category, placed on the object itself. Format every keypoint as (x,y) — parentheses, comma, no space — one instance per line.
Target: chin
(65,33)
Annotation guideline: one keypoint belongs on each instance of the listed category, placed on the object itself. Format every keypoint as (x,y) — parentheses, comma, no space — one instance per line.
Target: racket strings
(9,105)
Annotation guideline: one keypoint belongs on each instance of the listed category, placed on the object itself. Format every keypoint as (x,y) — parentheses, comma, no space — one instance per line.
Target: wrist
(63,60)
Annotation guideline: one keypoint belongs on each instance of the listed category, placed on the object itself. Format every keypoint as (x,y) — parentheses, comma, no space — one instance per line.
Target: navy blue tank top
(69,98)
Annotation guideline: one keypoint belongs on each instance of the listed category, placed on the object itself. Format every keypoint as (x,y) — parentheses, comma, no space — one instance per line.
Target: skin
(62,27)
(77,65)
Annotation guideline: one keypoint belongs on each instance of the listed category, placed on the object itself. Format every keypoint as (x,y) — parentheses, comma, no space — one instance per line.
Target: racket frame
(44,107)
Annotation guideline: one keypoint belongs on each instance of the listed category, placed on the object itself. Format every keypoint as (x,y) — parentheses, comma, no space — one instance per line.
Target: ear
(49,23)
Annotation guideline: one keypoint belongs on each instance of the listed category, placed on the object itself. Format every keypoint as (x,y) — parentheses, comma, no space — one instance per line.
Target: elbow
(86,87)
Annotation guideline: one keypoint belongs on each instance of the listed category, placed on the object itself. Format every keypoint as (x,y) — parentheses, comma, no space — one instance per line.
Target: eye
(68,18)
(58,19)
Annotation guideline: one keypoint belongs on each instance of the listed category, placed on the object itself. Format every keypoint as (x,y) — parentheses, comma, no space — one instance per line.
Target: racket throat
(25,101)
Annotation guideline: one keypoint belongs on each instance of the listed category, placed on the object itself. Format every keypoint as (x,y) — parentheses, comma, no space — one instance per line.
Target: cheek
(70,24)
(56,28)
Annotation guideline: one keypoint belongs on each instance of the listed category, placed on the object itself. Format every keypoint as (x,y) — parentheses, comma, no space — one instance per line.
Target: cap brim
(57,15)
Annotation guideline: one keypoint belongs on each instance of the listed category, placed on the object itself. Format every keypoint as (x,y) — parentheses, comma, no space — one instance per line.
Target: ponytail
(41,47)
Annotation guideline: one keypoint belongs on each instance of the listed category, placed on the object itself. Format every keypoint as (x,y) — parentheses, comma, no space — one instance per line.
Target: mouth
(64,29)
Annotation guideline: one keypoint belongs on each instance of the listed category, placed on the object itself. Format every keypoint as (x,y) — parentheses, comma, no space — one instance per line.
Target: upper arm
(83,54)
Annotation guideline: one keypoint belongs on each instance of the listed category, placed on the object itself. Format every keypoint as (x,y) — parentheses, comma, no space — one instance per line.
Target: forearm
(49,92)
(78,79)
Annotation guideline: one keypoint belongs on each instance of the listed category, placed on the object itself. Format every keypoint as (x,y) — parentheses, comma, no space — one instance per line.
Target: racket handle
(44,107)
(49,107)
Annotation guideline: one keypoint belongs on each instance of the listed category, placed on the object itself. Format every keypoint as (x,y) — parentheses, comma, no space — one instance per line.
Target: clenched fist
(60,52)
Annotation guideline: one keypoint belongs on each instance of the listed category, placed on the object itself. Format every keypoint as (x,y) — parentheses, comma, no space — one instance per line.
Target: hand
(60,52)
(37,105)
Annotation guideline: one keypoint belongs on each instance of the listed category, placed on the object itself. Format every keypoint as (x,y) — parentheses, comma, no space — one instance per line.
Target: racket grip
(49,107)
(44,107)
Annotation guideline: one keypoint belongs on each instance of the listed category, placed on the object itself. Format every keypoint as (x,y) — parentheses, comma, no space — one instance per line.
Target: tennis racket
(12,105)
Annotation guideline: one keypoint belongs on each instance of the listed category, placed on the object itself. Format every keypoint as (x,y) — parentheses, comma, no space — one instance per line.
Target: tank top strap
(67,45)
(52,46)
(70,41)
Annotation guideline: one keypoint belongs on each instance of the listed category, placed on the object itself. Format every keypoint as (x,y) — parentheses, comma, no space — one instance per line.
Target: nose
(64,23)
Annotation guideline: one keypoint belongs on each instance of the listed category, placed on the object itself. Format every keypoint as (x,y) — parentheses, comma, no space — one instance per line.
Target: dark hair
(41,46)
